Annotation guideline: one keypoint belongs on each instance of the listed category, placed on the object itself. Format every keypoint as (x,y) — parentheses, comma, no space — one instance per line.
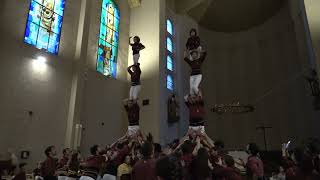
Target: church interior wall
(262,67)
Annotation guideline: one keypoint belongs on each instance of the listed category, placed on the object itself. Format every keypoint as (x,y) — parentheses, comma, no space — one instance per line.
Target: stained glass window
(108,39)
(169,45)
(170,82)
(169,27)
(44,24)
(169,63)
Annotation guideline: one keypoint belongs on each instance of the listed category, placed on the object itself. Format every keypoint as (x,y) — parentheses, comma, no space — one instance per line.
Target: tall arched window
(170,82)
(169,63)
(44,24)
(170,55)
(169,27)
(108,39)
(169,44)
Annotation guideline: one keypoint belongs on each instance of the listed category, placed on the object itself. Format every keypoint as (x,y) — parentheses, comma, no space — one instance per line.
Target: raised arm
(142,47)
(129,70)
(198,146)
(130,41)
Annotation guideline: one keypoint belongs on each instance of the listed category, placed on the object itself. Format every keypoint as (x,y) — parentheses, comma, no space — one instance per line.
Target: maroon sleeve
(252,166)
(142,46)
(187,60)
(129,71)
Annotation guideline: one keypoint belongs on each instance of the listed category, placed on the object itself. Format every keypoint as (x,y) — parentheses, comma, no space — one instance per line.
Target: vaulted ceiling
(229,15)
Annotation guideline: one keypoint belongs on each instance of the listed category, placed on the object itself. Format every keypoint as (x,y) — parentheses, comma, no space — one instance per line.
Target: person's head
(66,152)
(50,151)
(166,169)
(229,161)
(193,32)
(39,165)
(120,146)
(136,39)
(147,150)
(22,167)
(219,145)
(75,156)
(194,54)
(127,160)
(157,148)
(186,147)
(253,149)
(94,150)
(201,169)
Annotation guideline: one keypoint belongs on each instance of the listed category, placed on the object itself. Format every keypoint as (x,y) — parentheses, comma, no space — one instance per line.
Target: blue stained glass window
(169,82)
(169,63)
(43,29)
(169,45)
(169,27)
(108,39)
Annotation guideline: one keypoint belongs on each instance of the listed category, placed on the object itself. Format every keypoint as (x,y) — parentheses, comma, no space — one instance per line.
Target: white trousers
(197,128)
(136,58)
(71,178)
(132,130)
(134,92)
(109,177)
(195,81)
(62,177)
(86,178)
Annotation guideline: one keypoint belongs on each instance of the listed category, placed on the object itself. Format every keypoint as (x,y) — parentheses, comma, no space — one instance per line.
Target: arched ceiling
(229,15)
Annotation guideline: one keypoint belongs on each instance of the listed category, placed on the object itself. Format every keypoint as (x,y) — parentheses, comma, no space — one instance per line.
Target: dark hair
(137,38)
(200,169)
(186,147)
(229,161)
(146,150)
(157,148)
(21,165)
(64,151)
(74,162)
(166,169)
(94,149)
(219,144)
(48,150)
(120,146)
(193,30)
(253,148)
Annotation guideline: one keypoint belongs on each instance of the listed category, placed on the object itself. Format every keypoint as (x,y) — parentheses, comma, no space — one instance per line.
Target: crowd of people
(191,158)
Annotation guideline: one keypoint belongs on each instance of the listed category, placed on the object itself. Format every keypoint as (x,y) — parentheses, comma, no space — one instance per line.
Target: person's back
(144,170)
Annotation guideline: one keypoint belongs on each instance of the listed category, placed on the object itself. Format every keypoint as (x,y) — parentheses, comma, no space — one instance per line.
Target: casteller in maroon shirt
(144,169)
(228,173)
(49,167)
(133,114)
(255,167)
(196,113)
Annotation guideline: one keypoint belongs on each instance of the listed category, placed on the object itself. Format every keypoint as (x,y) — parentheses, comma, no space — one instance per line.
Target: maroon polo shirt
(133,114)
(122,155)
(193,42)
(196,113)
(49,167)
(196,64)
(228,173)
(144,170)
(255,166)
(135,75)
(63,162)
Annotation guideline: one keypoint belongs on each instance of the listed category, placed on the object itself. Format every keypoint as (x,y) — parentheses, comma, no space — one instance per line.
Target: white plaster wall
(102,96)
(24,89)
(145,22)
(262,66)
